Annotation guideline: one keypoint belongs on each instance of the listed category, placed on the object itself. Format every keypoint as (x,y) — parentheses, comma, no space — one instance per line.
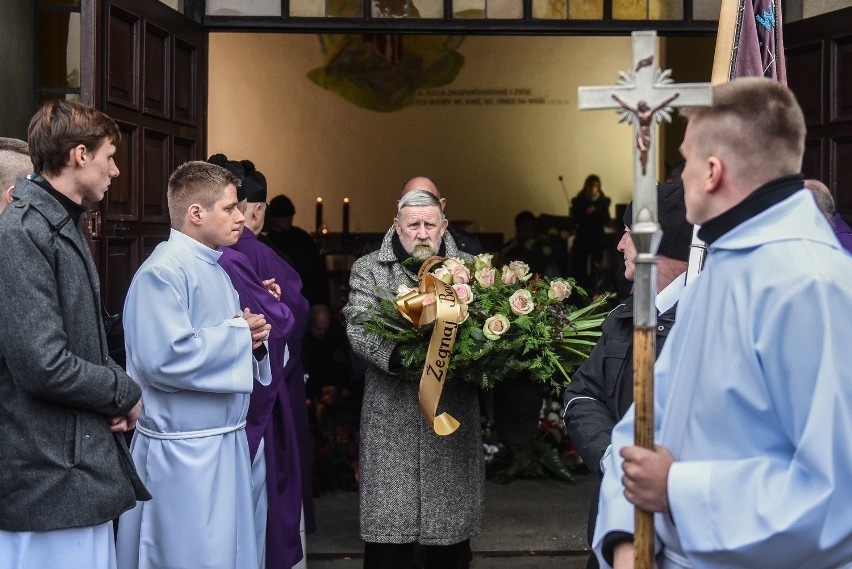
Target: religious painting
(383,72)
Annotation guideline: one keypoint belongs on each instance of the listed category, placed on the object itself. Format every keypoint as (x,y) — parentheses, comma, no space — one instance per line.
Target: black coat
(601,390)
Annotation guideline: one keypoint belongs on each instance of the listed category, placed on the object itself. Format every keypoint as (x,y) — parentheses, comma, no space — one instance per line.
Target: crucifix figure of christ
(644,97)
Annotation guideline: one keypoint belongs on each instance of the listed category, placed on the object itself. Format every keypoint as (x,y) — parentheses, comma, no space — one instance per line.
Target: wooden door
(819,71)
(150,76)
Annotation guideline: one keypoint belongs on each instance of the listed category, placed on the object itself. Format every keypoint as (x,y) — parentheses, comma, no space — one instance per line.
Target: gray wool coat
(416,486)
(60,465)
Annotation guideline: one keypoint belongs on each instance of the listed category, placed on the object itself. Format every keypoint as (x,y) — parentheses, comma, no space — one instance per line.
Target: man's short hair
(199,183)
(756,124)
(14,161)
(419,198)
(60,125)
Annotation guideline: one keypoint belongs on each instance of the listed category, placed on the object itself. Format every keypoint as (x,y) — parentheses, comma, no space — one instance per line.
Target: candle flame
(319,200)
(345,200)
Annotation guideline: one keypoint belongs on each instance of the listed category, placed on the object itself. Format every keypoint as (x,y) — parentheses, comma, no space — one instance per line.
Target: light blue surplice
(754,400)
(190,350)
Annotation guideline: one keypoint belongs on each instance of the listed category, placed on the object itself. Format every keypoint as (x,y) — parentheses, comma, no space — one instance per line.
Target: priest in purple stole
(290,402)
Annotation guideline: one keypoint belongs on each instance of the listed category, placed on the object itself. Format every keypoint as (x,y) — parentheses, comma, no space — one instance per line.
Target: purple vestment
(269,415)
(842,231)
(268,264)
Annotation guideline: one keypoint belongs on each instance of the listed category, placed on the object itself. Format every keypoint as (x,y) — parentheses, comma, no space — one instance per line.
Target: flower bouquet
(510,322)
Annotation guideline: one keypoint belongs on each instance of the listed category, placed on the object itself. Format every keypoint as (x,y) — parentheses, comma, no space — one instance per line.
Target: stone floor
(529,524)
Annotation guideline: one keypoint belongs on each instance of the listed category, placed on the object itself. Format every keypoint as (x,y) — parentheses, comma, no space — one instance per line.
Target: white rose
(495,326)
(559,290)
(482,261)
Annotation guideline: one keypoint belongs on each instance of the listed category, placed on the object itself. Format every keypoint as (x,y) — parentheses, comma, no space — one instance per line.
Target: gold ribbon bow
(445,312)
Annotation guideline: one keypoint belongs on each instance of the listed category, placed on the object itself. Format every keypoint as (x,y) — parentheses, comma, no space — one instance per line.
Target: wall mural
(383,72)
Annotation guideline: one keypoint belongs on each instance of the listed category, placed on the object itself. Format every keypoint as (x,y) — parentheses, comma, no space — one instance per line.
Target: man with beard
(422,495)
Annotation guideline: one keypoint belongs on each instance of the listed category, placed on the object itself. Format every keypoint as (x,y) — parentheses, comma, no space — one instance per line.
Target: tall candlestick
(345,216)
(318,224)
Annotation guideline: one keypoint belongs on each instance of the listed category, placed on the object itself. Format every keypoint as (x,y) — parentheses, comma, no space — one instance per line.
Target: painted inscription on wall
(487,97)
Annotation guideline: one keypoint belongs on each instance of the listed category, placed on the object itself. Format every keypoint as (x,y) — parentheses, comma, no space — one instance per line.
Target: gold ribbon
(445,313)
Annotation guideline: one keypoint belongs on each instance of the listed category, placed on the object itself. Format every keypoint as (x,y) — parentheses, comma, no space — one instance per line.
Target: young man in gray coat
(65,471)
(422,495)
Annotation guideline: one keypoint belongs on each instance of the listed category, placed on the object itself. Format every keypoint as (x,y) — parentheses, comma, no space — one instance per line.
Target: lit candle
(345,216)
(319,215)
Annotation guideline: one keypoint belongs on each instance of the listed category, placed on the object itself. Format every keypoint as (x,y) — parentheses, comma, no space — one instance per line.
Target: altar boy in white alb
(196,354)
(753,387)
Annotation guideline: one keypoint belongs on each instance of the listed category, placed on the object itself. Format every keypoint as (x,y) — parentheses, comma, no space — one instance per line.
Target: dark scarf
(756,202)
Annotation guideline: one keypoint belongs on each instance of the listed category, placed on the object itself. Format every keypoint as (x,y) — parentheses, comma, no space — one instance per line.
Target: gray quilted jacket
(416,486)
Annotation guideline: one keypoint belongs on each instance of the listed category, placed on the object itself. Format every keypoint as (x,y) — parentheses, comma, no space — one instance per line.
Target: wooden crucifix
(644,97)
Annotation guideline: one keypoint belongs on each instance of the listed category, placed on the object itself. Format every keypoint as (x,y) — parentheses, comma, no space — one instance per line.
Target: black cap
(281,206)
(255,192)
(671,213)
(234,168)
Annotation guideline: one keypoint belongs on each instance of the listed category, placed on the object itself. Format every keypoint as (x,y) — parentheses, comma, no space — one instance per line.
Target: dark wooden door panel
(157,65)
(155,177)
(819,71)
(122,53)
(185,78)
(154,86)
(842,79)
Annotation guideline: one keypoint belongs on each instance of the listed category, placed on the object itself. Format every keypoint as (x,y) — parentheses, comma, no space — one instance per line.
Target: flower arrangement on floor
(511,323)
(334,416)
(549,454)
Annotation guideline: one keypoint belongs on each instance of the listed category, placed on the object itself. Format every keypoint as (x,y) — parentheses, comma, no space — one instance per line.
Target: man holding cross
(753,393)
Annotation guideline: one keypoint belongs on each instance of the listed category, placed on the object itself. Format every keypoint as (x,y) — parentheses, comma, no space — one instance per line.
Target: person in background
(601,390)
(825,202)
(14,162)
(297,248)
(590,216)
(65,471)
(279,411)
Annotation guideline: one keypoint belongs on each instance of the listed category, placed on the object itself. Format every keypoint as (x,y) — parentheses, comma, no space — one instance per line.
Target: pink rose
(463,293)
(559,290)
(452,262)
(461,274)
(402,290)
(521,270)
(463,313)
(508,276)
(485,276)
(521,302)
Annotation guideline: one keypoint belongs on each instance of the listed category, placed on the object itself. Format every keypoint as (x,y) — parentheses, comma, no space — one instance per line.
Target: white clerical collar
(669,296)
(200,250)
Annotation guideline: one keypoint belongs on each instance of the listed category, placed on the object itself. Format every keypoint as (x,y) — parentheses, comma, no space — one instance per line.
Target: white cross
(645,97)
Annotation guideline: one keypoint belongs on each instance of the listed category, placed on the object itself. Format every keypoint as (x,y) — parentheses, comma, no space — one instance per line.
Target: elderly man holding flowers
(422,495)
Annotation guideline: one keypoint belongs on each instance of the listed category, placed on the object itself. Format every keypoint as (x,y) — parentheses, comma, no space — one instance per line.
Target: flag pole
(724,68)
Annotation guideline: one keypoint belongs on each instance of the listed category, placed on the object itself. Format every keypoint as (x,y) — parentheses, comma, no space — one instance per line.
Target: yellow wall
(490,161)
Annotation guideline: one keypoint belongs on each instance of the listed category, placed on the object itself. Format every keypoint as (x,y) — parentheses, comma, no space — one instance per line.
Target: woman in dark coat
(590,214)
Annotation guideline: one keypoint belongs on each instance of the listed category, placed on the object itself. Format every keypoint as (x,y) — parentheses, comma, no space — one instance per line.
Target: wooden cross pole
(644,97)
